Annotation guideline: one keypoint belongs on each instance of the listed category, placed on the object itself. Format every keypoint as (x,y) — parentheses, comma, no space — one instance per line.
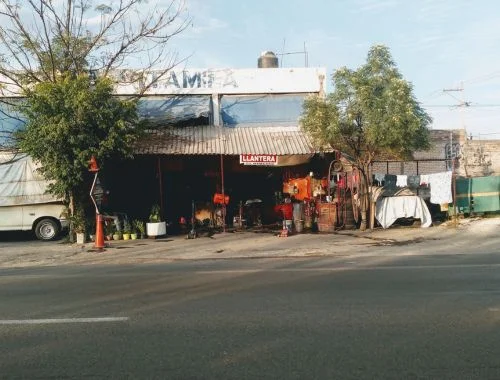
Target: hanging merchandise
(309,213)
(401,180)
(440,184)
(318,186)
(220,199)
(299,188)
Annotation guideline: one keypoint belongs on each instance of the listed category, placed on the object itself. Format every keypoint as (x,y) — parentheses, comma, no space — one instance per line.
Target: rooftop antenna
(303,52)
(282,52)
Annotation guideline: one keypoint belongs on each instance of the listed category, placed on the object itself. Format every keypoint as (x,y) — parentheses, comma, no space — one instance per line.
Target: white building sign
(227,81)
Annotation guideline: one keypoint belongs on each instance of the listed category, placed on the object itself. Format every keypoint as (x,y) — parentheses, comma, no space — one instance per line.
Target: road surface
(429,317)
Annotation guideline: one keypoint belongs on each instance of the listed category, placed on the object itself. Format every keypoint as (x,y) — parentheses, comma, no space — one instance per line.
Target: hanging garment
(440,184)
(379,179)
(413,181)
(424,179)
(390,181)
(401,180)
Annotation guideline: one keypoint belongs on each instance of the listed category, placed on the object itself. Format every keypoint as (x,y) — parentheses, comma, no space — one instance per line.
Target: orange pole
(99,232)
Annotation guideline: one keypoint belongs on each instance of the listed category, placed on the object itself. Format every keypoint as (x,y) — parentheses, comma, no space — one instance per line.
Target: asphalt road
(426,317)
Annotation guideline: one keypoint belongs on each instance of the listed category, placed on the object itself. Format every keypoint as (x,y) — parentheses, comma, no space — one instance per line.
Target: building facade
(222,131)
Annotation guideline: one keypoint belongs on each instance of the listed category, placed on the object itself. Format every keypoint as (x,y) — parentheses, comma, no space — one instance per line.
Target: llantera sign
(259,159)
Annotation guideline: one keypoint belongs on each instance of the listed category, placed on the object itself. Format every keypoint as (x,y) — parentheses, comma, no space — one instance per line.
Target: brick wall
(477,158)
(430,161)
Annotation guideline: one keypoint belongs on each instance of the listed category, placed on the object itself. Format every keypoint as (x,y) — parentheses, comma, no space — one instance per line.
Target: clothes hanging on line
(413,181)
(379,179)
(440,184)
(401,180)
(390,181)
(424,179)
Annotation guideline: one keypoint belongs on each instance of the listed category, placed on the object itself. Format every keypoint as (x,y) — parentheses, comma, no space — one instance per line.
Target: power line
(478,79)
(467,105)
(482,78)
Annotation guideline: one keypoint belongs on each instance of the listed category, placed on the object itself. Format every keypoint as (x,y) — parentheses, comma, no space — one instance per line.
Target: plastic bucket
(299,225)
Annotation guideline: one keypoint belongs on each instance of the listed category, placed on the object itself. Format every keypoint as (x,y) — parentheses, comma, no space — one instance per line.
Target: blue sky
(437,44)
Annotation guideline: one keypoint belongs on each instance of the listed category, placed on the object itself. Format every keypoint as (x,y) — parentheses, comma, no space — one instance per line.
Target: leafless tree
(42,40)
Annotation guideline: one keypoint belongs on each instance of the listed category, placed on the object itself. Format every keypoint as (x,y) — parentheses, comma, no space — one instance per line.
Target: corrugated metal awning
(230,141)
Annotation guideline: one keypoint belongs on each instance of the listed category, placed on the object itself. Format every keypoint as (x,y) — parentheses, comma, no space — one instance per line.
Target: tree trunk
(71,233)
(364,196)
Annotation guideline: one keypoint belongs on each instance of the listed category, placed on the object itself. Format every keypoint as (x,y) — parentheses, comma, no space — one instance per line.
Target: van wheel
(46,229)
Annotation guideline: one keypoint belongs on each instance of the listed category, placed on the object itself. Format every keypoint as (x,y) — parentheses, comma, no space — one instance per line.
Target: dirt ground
(479,235)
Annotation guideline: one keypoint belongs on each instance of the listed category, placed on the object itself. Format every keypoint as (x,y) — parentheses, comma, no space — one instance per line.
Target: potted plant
(109,230)
(127,229)
(156,227)
(78,227)
(139,228)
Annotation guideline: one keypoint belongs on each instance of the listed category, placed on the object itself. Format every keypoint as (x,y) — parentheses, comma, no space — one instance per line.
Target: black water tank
(267,60)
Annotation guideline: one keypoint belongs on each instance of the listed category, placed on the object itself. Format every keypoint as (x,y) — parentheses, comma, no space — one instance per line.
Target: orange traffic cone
(99,232)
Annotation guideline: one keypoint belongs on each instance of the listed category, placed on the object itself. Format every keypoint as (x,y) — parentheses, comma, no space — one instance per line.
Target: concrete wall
(480,158)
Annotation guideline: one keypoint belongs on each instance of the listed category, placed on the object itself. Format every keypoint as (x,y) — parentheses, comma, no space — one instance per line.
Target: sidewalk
(471,235)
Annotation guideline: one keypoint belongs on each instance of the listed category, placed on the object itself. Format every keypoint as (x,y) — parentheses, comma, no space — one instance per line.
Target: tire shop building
(227,133)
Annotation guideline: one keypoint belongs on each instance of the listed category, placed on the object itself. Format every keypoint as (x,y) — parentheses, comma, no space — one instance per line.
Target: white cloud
(203,22)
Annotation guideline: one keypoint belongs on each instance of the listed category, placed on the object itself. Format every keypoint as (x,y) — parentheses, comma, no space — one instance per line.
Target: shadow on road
(14,236)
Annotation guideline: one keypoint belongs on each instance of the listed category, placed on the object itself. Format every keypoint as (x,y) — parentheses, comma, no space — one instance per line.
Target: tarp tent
(20,181)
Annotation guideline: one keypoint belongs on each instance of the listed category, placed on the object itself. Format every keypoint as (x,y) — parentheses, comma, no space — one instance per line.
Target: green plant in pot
(117,235)
(78,227)
(139,228)
(126,230)
(156,227)
(155,214)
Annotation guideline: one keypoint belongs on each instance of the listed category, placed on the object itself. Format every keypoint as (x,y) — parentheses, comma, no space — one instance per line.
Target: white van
(25,203)
(46,220)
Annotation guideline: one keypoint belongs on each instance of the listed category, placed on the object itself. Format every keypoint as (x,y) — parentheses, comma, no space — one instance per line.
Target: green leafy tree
(370,112)
(64,59)
(69,121)
(48,41)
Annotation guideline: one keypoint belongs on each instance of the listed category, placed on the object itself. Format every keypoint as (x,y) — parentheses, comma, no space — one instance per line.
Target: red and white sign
(259,159)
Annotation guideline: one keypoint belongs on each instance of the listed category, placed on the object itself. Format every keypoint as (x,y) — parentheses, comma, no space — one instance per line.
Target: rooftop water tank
(267,60)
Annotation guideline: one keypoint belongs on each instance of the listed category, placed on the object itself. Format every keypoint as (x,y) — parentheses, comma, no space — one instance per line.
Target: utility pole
(462,103)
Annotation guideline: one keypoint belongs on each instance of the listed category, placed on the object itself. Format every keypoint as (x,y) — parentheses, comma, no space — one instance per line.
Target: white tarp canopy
(391,208)
(21,182)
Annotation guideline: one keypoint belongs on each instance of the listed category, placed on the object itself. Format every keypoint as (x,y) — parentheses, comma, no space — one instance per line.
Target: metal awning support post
(454,188)
(160,180)
(223,193)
